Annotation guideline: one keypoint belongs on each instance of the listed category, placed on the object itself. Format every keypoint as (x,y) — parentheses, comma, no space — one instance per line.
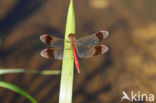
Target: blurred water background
(130,63)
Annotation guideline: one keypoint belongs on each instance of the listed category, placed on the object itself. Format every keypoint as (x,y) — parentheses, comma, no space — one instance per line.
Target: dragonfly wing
(52,52)
(89,51)
(52,40)
(92,39)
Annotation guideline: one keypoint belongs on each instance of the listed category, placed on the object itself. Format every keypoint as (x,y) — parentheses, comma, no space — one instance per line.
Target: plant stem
(68,64)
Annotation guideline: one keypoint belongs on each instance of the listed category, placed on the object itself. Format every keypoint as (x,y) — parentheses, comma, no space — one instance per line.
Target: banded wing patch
(92,39)
(52,40)
(89,51)
(52,52)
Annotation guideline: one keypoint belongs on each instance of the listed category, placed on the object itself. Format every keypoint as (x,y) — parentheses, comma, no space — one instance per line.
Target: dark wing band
(92,39)
(52,52)
(52,40)
(89,51)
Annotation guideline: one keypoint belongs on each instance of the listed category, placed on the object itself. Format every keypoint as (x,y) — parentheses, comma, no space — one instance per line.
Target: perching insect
(84,47)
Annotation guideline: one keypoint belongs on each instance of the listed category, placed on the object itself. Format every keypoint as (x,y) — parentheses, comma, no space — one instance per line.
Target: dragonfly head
(71,35)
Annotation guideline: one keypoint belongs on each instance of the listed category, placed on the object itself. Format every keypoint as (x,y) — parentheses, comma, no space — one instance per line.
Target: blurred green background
(130,63)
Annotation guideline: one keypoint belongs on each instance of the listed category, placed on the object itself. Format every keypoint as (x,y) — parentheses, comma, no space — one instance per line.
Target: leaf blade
(41,72)
(68,64)
(17,89)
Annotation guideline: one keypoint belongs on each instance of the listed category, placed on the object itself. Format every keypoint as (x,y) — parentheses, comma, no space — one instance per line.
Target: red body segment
(76,60)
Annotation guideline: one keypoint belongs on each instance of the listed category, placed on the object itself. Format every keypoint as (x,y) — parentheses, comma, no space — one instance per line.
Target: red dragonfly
(84,47)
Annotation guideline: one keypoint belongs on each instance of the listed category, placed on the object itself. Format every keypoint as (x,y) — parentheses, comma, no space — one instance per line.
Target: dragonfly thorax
(72,40)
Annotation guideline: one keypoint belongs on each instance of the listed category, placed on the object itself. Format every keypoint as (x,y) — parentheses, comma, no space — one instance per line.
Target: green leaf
(16,89)
(42,72)
(68,64)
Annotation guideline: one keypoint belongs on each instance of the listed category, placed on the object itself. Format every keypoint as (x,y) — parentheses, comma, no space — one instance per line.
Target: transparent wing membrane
(52,40)
(52,52)
(89,51)
(86,46)
(92,39)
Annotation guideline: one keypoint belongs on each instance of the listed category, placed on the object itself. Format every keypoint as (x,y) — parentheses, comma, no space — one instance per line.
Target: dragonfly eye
(71,35)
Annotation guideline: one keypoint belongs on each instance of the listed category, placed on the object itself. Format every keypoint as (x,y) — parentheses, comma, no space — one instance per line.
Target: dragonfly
(84,47)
